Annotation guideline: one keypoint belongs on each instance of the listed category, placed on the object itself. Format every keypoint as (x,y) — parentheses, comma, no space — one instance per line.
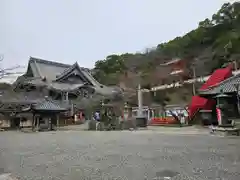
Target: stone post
(140,110)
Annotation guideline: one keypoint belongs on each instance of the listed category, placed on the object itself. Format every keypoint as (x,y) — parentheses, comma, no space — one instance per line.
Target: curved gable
(73,71)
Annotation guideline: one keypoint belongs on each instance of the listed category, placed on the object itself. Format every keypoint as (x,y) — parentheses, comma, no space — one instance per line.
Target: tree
(9,71)
(213,43)
(107,71)
(207,23)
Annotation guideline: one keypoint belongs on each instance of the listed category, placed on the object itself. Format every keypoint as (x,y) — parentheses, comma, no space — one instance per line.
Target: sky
(89,30)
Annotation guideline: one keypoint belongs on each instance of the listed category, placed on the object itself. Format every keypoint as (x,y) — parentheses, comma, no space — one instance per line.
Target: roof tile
(48,105)
(226,86)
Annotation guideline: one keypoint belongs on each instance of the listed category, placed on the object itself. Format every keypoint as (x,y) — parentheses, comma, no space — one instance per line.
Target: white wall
(6,123)
(27,123)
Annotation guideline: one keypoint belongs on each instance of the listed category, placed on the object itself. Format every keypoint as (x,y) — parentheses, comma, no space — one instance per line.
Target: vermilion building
(178,69)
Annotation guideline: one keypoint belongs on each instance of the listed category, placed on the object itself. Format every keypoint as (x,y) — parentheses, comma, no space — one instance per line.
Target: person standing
(97,119)
(182,119)
(97,116)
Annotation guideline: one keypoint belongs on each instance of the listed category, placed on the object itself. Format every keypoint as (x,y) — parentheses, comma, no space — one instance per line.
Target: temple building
(55,86)
(178,67)
(62,81)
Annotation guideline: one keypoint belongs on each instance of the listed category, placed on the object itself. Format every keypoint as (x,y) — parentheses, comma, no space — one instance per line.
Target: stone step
(7,176)
(225,131)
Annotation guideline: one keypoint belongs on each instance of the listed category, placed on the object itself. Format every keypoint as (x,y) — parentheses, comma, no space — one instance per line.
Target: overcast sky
(89,30)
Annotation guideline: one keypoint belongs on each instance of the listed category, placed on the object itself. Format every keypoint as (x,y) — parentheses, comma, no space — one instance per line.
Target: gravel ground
(136,155)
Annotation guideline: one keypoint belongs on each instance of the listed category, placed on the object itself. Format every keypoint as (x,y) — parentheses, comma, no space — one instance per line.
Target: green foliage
(108,70)
(221,34)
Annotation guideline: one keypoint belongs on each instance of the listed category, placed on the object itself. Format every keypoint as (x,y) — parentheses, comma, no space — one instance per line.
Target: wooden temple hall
(48,94)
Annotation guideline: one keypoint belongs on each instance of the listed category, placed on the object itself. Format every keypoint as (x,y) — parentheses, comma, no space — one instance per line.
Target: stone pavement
(149,129)
(133,155)
(179,130)
(81,127)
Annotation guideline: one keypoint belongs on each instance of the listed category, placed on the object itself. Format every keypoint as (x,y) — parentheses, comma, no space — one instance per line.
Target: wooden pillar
(33,122)
(62,96)
(148,114)
(38,123)
(57,120)
(20,122)
(66,96)
(50,123)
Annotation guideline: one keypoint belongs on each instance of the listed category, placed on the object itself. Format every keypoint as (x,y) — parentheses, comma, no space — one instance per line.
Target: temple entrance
(45,121)
(15,123)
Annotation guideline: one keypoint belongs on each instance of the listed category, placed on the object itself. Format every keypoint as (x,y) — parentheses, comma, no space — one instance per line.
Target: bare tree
(9,71)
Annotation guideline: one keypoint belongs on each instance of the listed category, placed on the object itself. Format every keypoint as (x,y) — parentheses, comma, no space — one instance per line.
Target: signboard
(176,112)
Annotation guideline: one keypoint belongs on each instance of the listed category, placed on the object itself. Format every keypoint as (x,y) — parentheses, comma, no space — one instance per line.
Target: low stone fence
(118,125)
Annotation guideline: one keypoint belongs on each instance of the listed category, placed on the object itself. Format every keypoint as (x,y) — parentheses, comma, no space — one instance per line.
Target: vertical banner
(81,115)
(219,116)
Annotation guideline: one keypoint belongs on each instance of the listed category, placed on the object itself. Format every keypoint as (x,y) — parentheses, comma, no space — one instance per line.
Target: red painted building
(178,68)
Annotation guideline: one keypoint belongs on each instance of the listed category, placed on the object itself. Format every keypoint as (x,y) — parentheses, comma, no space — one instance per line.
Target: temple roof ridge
(67,70)
(43,61)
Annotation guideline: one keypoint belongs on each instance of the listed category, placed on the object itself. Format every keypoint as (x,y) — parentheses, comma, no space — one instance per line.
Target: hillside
(208,47)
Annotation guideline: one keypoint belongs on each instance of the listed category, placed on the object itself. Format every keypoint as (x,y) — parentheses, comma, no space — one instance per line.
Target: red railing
(162,120)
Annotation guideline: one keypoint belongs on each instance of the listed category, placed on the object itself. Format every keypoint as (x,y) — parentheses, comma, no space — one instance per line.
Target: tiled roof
(53,85)
(82,72)
(46,69)
(47,105)
(20,97)
(53,70)
(45,73)
(67,70)
(226,86)
(53,63)
(35,81)
(64,86)
(217,77)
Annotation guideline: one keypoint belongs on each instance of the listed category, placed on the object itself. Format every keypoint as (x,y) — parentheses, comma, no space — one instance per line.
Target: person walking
(97,118)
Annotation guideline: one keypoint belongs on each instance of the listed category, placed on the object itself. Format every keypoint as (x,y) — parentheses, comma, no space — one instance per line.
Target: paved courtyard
(136,155)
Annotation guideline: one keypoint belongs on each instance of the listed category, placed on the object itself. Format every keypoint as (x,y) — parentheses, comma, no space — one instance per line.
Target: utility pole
(194,79)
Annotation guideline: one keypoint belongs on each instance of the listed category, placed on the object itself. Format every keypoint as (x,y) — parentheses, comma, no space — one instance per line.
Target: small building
(46,114)
(22,112)
(177,67)
(231,90)
(207,102)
